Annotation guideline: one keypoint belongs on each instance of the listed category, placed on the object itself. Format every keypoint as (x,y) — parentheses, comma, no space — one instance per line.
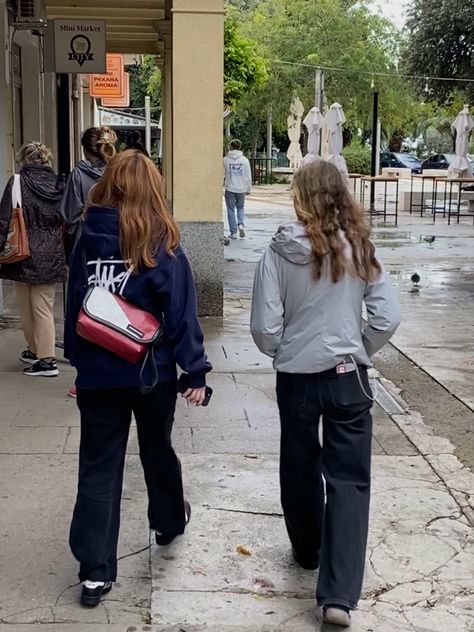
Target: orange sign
(112,83)
(120,102)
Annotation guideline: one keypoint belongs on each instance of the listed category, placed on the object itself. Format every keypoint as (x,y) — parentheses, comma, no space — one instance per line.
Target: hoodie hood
(100,233)
(292,243)
(43,182)
(92,169)
(235,154)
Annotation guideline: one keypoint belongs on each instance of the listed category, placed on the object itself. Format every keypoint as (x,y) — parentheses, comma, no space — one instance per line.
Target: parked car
(442,161)
(438,161)
(400,160)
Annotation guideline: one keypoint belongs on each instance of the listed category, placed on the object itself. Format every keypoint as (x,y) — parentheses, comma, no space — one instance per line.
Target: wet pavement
(233,571)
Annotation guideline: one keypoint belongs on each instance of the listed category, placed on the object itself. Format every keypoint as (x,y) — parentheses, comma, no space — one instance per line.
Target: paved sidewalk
(419,568)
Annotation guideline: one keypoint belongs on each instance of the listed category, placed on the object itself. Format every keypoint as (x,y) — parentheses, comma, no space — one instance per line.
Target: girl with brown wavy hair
(129,245)
(309,292)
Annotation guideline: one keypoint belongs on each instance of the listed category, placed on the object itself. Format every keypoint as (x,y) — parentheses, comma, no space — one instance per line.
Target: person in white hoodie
(237,184)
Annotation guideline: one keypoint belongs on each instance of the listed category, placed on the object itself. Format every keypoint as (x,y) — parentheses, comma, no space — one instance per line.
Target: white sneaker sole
(241,233)
(233,236)
(52,373)
(336,616)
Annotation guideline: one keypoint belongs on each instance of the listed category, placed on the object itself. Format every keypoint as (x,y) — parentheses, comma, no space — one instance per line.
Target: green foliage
(145,80)
(244,69)
(358,158)
(341,33)
(441,44)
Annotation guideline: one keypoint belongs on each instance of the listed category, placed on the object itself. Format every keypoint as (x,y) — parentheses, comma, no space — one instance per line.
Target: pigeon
(415,278)
(430,239)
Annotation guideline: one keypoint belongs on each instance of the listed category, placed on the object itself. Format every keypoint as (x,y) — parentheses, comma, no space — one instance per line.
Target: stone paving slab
(418,541)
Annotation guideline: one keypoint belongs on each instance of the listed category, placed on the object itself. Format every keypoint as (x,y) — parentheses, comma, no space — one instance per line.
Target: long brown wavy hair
(132,184)
(325,206)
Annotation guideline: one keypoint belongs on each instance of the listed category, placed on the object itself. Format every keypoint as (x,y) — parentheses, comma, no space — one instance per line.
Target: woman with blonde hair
(129,245)
(36,277)
(310,288)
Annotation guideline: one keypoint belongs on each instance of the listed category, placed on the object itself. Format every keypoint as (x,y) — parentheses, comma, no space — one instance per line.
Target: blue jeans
(332,532)
(235,202)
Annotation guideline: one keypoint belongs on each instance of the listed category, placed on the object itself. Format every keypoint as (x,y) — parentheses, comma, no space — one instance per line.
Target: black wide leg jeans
(105,423)
(332,529)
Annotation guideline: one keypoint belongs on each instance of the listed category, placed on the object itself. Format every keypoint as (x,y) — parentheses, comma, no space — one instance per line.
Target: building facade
(187,37)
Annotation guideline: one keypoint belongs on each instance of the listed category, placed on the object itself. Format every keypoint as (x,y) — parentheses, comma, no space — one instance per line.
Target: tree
(145,80)
(244,68)
(335,33)
(441,44)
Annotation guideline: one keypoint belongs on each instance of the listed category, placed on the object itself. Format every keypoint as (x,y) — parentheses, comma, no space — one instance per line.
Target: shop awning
(132,25)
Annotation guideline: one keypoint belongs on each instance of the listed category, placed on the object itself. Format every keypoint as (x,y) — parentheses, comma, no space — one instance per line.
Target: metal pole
(373,166)
(269,133)
(148,124)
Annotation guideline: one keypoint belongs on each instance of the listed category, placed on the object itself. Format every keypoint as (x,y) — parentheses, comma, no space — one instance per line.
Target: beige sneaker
(336,616)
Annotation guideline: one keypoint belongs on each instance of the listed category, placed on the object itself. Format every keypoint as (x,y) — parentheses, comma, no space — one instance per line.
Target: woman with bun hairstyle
(98,144)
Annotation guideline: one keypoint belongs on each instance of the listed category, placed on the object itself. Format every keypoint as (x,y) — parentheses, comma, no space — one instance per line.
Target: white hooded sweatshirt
(237,172)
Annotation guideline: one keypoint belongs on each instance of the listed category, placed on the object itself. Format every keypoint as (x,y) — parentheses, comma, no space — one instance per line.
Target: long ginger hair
(132,184)
(325,206)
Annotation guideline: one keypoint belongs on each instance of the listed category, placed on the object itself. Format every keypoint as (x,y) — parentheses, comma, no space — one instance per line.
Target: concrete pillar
(167,117)
(198,53)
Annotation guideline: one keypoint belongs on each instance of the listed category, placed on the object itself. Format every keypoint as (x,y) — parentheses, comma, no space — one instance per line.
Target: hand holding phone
(194,395)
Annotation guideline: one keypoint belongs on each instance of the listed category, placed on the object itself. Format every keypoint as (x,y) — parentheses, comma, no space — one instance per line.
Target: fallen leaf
(243,550)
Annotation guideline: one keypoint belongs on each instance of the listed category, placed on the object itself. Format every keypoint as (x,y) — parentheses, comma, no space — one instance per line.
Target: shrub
(358,159)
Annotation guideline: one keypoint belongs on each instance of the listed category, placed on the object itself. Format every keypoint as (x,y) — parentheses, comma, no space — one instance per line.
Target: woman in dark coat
(36,277)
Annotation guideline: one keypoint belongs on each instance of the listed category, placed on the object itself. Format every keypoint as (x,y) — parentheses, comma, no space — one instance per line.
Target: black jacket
(41,193)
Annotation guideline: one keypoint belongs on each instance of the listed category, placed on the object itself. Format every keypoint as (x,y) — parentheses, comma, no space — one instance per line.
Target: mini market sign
(75,46)
(112,84)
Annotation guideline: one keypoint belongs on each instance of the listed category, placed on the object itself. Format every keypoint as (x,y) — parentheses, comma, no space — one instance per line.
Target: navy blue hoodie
(167,291)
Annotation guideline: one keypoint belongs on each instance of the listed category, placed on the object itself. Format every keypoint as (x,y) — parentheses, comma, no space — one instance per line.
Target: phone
(183,385)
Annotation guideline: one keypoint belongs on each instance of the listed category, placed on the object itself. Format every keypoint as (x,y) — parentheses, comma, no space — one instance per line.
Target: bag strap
(16,191)
(150,355)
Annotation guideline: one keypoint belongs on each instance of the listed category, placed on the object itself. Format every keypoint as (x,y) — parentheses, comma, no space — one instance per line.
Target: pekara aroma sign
(75,46)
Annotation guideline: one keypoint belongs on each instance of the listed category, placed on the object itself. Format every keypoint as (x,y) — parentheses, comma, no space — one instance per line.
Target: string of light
(372,73)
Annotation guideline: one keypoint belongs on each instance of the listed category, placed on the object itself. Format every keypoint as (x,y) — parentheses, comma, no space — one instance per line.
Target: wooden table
(460,182)
(355,177)
(374,212)
(423,177)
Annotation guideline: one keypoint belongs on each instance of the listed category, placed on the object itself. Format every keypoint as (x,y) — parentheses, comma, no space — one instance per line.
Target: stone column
(198,53)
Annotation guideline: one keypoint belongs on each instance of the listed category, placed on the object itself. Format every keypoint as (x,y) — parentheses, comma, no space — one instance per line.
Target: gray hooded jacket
(81,180)
(308,325)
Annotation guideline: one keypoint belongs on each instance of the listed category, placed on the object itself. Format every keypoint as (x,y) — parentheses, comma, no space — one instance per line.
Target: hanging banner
(75,46)
(120,102)
(112,84)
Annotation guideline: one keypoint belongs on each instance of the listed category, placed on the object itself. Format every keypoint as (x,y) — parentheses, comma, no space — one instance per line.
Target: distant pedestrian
(136,143)
(130,246)
(310,287)
(98,144)
(36,277)
(237,184)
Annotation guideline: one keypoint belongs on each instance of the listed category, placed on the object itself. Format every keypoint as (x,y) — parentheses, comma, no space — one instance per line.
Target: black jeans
(335,530)
(105,422)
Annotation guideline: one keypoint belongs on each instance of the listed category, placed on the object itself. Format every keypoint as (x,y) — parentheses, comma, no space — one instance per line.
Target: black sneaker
(42,368)
(309,563)
(28,357)
(92,592)
(162,539)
